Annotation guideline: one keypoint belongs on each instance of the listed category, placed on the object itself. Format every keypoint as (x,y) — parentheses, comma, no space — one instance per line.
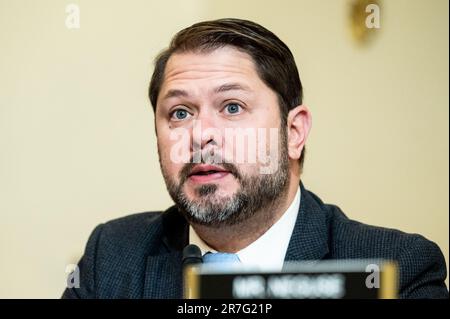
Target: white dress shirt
(269,250)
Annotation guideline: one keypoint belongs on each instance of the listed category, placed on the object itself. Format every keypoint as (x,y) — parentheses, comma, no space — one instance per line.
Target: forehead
(191,70)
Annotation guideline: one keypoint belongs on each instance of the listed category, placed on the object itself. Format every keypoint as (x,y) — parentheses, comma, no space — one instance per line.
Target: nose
(206,132)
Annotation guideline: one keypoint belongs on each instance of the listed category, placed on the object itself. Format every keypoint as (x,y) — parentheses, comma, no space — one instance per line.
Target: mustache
(188,167)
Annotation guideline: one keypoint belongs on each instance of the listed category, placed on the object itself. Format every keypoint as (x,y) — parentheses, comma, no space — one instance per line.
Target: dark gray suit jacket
(139,256)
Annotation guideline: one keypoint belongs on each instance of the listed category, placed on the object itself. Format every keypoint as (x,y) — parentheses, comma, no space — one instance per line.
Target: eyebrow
(223,88)
(231,87)
(175,93)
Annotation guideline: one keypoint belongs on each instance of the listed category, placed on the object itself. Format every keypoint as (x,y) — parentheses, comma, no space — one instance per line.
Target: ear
(299,123)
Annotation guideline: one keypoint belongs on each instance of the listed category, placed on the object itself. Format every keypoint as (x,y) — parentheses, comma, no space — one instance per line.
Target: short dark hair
(273,60)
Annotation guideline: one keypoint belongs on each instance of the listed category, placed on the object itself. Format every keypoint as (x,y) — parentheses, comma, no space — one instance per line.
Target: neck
(234,238)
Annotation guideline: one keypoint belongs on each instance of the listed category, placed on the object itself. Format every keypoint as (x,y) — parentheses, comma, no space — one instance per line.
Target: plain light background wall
(77,135)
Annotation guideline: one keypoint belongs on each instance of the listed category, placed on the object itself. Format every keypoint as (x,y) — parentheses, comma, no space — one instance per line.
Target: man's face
(207,103)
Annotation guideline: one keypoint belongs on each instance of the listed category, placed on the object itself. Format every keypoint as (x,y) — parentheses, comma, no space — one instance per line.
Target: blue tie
(222,258)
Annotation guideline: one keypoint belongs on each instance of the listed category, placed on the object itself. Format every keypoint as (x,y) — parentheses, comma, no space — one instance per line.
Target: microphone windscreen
(192,255)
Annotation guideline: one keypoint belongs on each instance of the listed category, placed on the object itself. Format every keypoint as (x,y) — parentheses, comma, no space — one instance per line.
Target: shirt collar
(269,250)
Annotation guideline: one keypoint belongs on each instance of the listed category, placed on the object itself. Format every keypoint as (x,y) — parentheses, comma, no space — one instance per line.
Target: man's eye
(233,108)
(180,114)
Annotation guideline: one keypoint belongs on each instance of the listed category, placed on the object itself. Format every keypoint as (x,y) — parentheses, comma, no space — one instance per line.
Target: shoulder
(115,256)
(421,263)
(359,240)
(138,231)
(123,240)
(348,238)
(132,226)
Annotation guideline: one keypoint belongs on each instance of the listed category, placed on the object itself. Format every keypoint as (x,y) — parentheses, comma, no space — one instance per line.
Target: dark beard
(256,193)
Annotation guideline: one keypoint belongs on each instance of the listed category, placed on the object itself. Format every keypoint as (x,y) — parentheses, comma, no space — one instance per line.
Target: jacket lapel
(163,273)
(309,240)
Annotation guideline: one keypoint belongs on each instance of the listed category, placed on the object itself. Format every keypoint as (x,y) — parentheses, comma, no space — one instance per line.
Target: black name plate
(362,279)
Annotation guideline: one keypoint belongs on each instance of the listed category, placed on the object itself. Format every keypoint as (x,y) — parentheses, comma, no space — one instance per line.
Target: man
(218,83)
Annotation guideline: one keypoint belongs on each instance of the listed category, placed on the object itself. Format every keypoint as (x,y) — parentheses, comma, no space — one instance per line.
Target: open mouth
(207,173)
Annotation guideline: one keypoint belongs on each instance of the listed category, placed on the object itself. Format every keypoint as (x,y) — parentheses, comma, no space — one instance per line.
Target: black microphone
(191,255)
